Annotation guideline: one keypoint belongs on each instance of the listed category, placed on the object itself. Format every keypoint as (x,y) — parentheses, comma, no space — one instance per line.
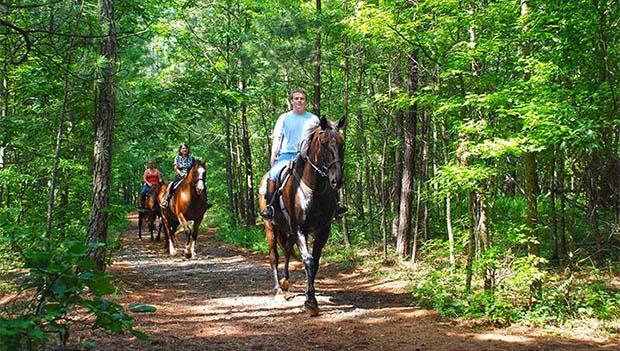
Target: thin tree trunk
(61,118)
(98,218)
(444,140)
(230,172)
(240,186)
(560,187)
(345,112)
(249,215)
(425,173)
(229,168)
(383,194)
(555,252)
(471,247)
(416,227)
(359,193)
(398,166)
(404,223)
(592,200)
(317,61)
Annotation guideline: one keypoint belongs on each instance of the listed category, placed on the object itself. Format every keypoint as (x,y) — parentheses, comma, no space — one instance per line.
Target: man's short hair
(298,90)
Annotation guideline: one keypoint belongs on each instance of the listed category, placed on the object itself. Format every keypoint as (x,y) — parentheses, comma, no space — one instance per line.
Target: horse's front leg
(272,243)
(302,242)
(168,236)
(140,225)
(152,225)
(288,251)
(320,240)
(192,251)
(187,232)
(161,222)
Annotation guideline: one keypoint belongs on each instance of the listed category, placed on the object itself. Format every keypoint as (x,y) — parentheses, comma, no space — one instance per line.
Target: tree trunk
(317,62)
(345,113)
(560,189)
(592,200)
(398,166)
(383,194)
(249,216)
(404,223)
(555,252)
(240,186)
(426,154)
(98,218)
(61,119)
(444,140)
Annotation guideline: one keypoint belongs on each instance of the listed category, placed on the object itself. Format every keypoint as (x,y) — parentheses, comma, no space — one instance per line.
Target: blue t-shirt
(290,130)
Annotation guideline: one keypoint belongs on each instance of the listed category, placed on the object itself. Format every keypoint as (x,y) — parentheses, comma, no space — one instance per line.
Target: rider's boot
(268,212)
(341,209)
(167,198)
(142,202)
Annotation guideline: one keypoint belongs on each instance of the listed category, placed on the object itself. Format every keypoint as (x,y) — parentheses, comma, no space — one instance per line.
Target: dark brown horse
(307,205)
(151,212)
(188,203)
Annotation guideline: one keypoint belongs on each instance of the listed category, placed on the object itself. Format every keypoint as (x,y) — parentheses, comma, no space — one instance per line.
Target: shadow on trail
(222,300)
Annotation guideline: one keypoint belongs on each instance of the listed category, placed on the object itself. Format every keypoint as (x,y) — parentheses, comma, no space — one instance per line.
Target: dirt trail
(222,300)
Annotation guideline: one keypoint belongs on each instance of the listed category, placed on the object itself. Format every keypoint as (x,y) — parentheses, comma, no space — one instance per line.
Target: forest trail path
(222,300)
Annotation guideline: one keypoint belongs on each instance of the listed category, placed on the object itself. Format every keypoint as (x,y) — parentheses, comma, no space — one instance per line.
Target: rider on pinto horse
(291,129)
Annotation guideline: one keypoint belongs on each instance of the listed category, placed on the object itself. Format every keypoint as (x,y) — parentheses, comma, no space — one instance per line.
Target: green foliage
(59,281)
(252,238)
(563,297)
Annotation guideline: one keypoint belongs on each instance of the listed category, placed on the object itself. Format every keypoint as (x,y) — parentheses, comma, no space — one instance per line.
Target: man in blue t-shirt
(291,129)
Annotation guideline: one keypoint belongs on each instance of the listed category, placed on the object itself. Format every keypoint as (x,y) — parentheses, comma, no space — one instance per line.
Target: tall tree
(406,194)
(104,129)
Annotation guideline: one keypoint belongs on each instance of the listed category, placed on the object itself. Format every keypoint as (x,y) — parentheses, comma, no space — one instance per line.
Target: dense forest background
(482,143)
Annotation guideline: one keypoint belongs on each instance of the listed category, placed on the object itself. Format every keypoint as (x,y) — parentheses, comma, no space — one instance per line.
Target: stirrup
(341,210)
(267,213)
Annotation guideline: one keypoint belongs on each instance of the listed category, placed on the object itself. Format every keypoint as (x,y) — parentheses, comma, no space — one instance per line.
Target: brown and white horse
(307,206)
(188,203)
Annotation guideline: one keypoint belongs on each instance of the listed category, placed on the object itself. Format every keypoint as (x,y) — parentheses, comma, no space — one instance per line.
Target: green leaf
(139,334)
(141,308)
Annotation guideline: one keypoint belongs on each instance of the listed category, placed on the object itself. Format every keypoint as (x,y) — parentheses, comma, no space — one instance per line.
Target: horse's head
(196,176)
(326,151)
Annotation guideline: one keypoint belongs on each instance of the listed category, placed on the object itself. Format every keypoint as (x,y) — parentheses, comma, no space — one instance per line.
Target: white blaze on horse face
(200,185)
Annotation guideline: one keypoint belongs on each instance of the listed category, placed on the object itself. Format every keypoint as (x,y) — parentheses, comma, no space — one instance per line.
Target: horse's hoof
(311,308)
(173,252)
(188,255)
(278,294)
(284,284)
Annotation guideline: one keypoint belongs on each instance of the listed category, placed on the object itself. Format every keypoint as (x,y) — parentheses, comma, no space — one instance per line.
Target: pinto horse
(307,205)
(188,203)
(151,212)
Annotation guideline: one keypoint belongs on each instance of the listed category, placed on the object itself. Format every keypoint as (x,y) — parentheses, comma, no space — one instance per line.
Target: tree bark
(345,113)
(98,218)
(444,140)
(398,166)
(249,216)
(404,223)
(317,62)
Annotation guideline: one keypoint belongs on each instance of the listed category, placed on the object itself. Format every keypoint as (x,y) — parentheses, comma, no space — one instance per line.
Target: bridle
(323,169)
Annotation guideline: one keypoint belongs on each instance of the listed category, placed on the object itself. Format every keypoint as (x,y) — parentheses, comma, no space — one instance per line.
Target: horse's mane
(313,136)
